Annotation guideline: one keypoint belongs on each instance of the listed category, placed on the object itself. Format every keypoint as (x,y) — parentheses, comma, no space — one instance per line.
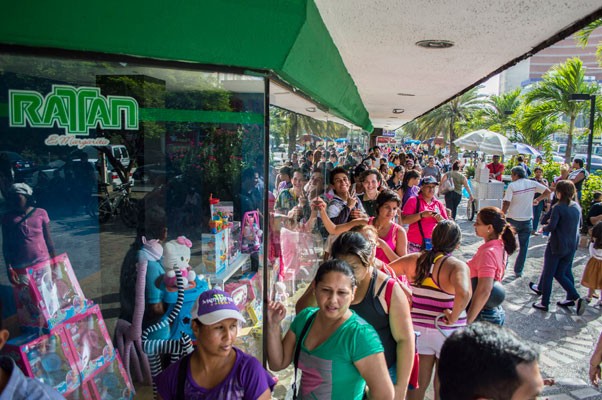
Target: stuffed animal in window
(176,255)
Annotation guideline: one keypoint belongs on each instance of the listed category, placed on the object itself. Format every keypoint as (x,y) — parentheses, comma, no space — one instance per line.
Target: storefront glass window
(113,155)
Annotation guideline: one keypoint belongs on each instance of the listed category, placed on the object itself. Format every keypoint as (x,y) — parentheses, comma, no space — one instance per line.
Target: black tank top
(371,310)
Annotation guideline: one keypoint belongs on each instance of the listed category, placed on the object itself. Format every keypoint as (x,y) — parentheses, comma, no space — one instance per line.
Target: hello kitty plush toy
(176,254)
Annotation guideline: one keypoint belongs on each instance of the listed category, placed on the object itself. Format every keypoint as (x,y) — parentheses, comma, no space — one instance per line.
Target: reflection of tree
(289,126)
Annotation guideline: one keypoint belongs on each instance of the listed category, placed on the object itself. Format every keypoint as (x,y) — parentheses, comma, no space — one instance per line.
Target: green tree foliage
(537,133)
(499,113)
(290,126)
(447,120)
(551,98)
(584,35)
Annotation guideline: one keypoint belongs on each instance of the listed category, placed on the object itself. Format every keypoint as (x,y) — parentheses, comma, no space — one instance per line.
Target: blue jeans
(537,214)
(495,315)
(523,230)
(559,268)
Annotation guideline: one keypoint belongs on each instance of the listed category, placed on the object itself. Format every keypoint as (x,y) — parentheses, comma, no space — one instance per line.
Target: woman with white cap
(26,236)
(216,369)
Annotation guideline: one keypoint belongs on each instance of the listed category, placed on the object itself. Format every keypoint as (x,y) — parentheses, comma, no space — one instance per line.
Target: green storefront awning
(287,37)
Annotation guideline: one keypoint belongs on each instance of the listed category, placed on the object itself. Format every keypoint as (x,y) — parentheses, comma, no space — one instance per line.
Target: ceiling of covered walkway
(377,42)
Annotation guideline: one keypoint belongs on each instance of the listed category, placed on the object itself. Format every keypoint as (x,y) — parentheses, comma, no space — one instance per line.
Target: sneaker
(540,306)
(581,306)
(534,233)
(566,303)
(598,305)
(534,288)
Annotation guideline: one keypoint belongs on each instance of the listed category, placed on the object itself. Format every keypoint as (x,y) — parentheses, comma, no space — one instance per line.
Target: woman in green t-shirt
(340,352)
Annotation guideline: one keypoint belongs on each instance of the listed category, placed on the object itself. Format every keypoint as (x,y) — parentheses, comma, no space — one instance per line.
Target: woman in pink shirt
(488,265)
(422,213)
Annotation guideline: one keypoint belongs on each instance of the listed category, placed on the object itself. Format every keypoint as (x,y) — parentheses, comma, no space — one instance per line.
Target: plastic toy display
(90,341)
(176,255)
(111,383)
(48,358)
(48,294)
(76,345)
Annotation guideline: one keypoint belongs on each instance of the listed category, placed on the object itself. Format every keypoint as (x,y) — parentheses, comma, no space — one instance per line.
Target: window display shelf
(223,277)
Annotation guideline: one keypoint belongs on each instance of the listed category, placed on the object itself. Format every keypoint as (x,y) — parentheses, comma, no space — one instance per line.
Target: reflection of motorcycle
(104,205)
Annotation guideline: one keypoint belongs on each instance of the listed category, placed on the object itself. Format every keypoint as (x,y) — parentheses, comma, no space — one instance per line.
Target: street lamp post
(592,111)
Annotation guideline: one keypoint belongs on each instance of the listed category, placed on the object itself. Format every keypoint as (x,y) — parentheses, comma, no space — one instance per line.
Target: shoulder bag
(448,185)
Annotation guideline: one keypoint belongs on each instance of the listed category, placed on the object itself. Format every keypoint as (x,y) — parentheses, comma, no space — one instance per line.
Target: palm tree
(448,118)
(499,115)
(584,34)
(537,133)
(552,97)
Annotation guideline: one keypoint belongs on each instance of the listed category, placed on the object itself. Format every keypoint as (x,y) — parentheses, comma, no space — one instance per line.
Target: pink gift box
(47,358)
(89,340)
(48,294)
(253,280)
(239,292)
(111,382)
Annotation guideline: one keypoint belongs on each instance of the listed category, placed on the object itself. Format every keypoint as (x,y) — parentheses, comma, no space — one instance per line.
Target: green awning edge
(295,44)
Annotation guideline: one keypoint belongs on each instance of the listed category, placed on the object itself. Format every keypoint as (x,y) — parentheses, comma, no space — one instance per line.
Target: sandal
(540,306)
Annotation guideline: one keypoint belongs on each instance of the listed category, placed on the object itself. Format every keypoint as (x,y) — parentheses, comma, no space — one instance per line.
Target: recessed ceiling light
(310,109)
(435,44)
(398,110)
(406,94)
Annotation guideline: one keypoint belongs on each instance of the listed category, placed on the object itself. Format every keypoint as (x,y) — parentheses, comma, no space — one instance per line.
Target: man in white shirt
(518,207)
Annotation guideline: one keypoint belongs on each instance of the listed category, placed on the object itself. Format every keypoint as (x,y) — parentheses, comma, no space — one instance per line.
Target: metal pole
(590,140)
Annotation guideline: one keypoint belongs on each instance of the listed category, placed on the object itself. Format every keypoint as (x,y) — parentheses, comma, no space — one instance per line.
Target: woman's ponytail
(509,239)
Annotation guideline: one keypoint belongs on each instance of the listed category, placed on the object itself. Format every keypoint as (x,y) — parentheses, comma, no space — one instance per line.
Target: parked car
(21,167)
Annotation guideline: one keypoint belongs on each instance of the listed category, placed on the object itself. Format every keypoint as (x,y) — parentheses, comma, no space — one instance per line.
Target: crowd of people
(398,200)
(390,309)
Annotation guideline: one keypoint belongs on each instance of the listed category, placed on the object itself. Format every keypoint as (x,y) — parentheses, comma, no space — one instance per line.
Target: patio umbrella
(411,141)
(341,140)
(523,148)
(488,142)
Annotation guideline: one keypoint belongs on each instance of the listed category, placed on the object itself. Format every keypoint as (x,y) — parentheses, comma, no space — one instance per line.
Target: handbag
(448,185)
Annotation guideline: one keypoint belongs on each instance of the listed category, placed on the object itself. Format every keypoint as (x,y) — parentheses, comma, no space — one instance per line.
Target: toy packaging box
(90,342)
(214,252)
(48,359)
(234,242)
(239,292)
(111,382)
(48,294)
(223,210)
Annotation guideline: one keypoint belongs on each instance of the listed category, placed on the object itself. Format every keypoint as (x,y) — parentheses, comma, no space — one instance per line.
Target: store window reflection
(127,164)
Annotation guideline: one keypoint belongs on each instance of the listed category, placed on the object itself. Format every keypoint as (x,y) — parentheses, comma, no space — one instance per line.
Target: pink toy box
(83,392)
(253,280)
(239,292)
(111,382)
(47,294)
(90,342)
(47,358)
